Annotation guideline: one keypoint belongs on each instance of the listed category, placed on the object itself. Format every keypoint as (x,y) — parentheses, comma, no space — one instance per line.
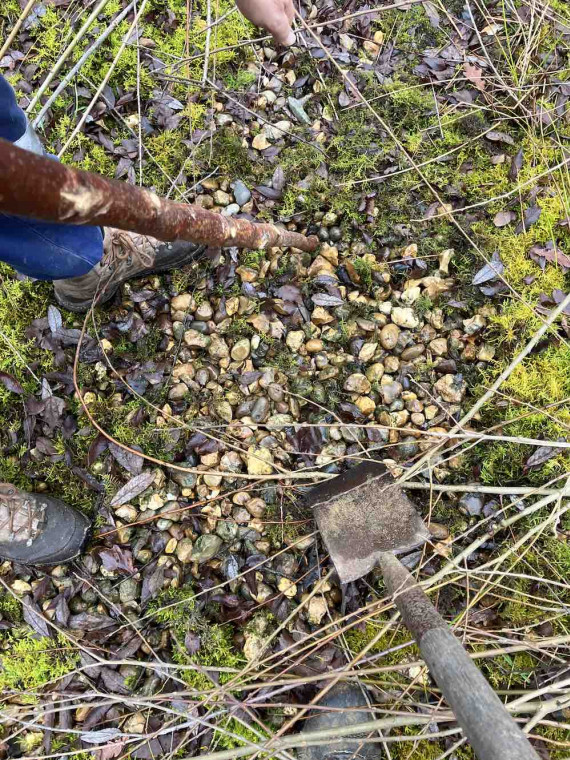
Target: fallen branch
(42,188)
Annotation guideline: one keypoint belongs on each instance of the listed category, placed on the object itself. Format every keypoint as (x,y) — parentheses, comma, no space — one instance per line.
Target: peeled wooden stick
(42,188)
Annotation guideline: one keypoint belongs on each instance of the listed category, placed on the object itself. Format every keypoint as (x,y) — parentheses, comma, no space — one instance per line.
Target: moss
(21,301)
(10,609)
(227,152)
(27,663)
(423,748)
(171,46)
(242,735)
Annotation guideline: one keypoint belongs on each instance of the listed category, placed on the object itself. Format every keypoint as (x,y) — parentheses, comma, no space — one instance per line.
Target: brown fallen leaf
(496,136)
(550,252)
(502,218)
(516,165)
(475,75)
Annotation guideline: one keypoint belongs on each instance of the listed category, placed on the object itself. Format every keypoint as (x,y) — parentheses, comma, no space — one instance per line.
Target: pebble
(317,609)
(184,550)
(260,142)
(184,373)
(259,461)
(127,513)
(413,352)
(223,410)
(256,507)
(375,371)
(241,350)
(218,348)
(486,352)
(279,421)
(260,410)
(195,339)
(335,234)
(231,210)
(330,253)
(295,339)
(287,587)
(314,346)
(278,130)
(181,302)
(390,392)
(472,503)
(242,193)
(474,325)
(206,547)
(366,405)
(438,346)
(451,388)
(298,110)
(135,724)
(357,383)
(389,335)
(367,352)
(178,392)
(221,198)
(227,530)
(438,531)
(404,317)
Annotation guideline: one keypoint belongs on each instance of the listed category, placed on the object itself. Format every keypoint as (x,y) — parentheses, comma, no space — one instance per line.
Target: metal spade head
(361,514)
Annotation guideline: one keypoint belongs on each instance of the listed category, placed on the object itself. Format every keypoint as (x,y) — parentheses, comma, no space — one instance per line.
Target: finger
(289,9)
(281,30)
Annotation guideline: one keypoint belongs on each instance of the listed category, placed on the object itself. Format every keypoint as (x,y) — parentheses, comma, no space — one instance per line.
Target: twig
(66,53)
(16,28)
(86,55)
(208,38)
(105,79)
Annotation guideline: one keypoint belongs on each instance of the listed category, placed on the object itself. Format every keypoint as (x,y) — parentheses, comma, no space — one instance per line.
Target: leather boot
(126,255)
(37,529)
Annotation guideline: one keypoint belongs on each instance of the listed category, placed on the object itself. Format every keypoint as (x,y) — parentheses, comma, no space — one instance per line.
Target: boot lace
(21,516)
(124,248)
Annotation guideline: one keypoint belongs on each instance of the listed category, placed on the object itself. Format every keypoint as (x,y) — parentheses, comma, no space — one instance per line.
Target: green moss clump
(21,301)
(228,152)
(10,608)
(28,663)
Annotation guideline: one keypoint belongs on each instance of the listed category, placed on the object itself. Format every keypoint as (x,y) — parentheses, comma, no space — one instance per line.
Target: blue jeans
(41,250)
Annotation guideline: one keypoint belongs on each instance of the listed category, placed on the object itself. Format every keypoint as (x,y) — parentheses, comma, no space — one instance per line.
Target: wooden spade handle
(41,188)
(490,729)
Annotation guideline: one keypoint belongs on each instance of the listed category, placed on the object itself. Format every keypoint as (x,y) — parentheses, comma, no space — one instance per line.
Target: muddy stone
(389,336)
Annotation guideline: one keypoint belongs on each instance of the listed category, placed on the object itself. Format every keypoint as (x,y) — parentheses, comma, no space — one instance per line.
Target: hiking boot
(348,708)
(37,529)
(126,255)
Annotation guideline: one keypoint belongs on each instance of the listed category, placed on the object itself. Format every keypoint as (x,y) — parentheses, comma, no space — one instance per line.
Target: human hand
(274,15)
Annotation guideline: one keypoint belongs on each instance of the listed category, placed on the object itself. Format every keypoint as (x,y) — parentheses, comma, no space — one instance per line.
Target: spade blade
(363,513)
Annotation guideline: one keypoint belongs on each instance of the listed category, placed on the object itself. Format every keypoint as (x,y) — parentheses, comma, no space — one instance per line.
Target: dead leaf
(495,136)
(101,736)
(132,488)
(502,218)
(55,321)
(117,559)
(130,461)
(33,616)
(323,299)
(531,216)
(541,455)
(474,74)
(491,270)
(516,165)
(152,584)
(550,252)
(10,383)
